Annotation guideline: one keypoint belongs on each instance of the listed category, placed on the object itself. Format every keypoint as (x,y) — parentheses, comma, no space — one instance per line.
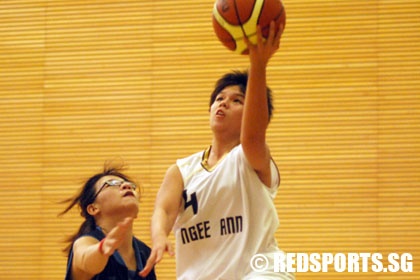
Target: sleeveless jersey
(116,268)
(227,216)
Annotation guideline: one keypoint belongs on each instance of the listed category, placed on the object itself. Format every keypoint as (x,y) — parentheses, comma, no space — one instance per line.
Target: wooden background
(82,82)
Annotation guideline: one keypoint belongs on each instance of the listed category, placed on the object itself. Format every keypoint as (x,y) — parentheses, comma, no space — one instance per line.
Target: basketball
(234,19)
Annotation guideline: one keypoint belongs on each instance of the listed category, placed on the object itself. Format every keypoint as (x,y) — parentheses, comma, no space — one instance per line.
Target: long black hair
(85,197)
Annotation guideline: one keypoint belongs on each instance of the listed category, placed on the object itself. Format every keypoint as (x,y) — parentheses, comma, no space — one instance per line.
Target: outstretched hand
(160,246)
(116,236)
(264,49)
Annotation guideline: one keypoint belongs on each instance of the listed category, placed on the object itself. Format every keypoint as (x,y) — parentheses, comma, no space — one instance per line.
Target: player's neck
(220,149)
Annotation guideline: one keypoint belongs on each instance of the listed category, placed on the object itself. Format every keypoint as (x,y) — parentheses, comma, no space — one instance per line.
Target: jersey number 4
(192,202)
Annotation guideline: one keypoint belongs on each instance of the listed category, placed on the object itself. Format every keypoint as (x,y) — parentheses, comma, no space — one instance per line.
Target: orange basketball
(234,19)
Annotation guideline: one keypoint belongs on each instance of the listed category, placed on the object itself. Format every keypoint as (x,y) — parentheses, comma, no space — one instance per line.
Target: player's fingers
(271,32)
(151,261)
(121,228)
(281,28)
(170,249)
(279,34)
(260,39)
(126,223)
(146,270)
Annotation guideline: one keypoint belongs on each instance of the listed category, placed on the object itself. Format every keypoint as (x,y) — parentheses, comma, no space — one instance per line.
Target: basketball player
(219,201)
(104,246)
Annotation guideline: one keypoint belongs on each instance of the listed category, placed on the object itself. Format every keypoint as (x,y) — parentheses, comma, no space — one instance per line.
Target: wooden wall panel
(21,94)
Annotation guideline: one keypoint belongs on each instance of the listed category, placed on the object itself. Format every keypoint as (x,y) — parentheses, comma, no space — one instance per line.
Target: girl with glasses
(104,247)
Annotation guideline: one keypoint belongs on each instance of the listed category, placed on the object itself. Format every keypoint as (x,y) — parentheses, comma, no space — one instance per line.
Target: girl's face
(226,110)
(114,193)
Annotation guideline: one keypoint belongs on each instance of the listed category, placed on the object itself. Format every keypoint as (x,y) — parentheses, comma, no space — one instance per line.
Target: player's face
(115,193)
(226,111)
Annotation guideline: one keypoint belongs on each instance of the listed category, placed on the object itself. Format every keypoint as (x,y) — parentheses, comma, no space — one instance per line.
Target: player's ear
(92,209)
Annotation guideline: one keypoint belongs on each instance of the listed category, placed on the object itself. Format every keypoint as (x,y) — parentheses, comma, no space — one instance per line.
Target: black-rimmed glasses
(115,183)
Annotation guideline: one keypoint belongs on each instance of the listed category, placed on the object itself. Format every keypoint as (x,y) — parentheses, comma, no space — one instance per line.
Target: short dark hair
(238,78)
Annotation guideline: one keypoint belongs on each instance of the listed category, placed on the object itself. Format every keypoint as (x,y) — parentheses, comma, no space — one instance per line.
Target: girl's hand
(115,237)
(160,246)
(261,52)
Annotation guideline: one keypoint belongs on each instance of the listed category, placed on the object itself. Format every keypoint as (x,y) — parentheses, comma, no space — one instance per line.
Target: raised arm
(167,204)
(255,117)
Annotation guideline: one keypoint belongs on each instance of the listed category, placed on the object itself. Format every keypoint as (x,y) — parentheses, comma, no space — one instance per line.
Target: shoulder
(84,241)
(238,154)
(196,157)
(272,176)
(91,236)
(190,165)
(96,233)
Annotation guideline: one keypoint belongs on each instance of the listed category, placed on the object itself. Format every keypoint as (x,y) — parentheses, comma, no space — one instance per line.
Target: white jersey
(227,216)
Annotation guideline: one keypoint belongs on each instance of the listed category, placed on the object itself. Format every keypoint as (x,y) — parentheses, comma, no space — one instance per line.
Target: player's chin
(130,202)
(134,213)
(219,126)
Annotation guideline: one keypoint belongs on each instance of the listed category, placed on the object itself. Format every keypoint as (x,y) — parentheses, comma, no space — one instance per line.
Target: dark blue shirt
(116,269)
